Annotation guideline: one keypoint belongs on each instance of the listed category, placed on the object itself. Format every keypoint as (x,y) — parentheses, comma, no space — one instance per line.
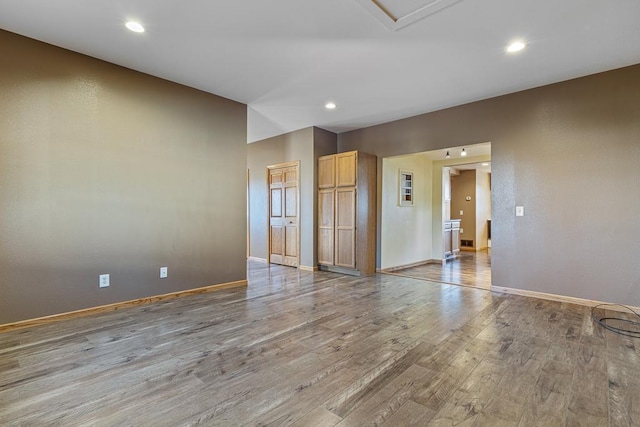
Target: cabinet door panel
(447,242)
(325,247)
(345,248)
(327,172)
(455,240)
(345,228)
(325,226)
(346,169)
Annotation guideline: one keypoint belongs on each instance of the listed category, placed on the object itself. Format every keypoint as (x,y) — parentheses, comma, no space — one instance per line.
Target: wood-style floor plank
(467,269)
(322,349)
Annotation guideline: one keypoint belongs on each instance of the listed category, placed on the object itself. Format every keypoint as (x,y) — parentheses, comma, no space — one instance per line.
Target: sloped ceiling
(287,58)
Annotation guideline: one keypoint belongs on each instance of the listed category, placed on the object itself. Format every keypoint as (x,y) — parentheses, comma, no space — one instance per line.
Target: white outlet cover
(519,210)
(103,281)
(163,272)
(461,212)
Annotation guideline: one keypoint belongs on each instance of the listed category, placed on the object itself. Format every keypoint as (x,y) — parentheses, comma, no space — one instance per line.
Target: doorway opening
(443,235)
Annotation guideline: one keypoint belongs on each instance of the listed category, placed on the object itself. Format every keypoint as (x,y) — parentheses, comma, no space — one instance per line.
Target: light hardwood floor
(322,349)
(468,269)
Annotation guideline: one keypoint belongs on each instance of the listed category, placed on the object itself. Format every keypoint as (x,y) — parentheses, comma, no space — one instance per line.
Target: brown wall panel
(464,185)
(570,154)
(107,170)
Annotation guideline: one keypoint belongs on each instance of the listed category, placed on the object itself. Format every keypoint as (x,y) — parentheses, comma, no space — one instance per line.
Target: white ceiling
(287,58)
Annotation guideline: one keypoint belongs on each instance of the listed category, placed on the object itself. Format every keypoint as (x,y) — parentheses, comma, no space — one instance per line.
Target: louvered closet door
(345,227)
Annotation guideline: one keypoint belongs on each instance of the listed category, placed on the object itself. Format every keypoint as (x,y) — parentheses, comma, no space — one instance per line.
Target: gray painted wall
(107,170)
(570,154)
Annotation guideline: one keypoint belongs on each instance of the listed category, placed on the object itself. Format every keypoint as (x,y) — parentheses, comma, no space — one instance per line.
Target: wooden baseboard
(308,268)
(413,264)
(560,298)
(116,306)
(256,259)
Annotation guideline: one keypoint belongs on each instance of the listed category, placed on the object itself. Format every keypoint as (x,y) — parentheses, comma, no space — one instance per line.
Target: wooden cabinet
(451,238)
(347,213)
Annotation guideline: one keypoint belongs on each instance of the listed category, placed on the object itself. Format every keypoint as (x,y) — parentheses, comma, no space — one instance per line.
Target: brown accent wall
(305,145)
(464,185)
(570,154)
(107,170)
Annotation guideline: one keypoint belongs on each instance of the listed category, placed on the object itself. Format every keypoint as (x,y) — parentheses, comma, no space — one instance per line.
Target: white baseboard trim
(308,268)
(256,259)
(559,298)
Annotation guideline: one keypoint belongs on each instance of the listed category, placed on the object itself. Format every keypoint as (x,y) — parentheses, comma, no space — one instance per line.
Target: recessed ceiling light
(135,27)
(330,106)
(516,46)
(485,164)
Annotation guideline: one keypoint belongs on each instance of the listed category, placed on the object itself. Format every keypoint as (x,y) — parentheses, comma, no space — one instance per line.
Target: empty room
(319,213)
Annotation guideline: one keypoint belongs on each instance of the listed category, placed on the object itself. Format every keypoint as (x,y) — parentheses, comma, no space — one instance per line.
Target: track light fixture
(447,156)
(464,153)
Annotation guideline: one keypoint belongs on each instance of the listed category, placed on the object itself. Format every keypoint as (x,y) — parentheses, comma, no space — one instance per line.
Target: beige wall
(483,208)
(304,145)
(107,170)
(567,152)
(406,233)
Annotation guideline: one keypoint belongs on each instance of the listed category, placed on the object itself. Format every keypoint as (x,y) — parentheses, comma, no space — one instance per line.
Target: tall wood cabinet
(347,213)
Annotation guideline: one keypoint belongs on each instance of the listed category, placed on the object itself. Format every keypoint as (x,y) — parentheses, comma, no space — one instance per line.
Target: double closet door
(346,213)
(337,177)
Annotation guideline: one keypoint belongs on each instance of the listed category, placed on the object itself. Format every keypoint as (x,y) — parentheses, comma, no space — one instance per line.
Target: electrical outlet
(103,281)
(461,213)
(163,272)
(462,231)
(519,210)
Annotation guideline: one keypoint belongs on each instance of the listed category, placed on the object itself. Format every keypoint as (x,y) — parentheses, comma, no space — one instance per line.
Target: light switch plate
(519,210)
(461,213)
(163,272)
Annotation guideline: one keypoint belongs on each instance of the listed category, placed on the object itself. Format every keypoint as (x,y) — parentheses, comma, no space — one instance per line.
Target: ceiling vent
(396,14)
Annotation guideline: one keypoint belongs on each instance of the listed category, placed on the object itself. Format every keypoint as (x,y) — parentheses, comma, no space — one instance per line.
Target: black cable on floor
(602,321)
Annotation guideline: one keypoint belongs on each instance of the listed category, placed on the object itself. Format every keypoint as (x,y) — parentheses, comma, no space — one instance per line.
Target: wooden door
(326,220)
(345,227)
(283,214)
